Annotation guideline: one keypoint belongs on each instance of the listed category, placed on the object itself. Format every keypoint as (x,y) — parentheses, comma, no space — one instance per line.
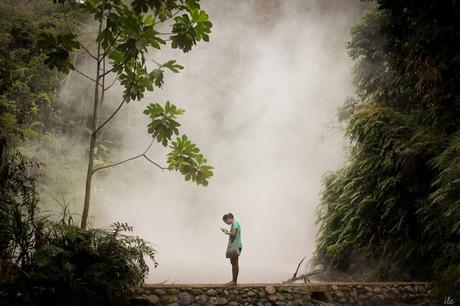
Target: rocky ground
(288,294)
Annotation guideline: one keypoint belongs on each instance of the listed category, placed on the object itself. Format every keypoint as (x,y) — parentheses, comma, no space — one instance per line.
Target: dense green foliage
(63,264)
(33,116)
(397,199)
(81,267)
(18,210)
(29,111)
(46,262)
(26,86)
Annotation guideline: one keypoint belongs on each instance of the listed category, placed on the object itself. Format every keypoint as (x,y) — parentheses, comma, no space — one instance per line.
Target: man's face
(228,221)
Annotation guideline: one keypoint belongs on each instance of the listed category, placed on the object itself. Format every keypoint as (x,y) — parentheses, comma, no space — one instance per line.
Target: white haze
(260,101)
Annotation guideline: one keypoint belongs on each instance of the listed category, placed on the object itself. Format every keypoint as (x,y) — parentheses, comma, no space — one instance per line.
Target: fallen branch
(298,266)
(304,277)
(162,283)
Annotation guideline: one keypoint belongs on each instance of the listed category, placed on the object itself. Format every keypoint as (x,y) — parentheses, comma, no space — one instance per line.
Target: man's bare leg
(235,270)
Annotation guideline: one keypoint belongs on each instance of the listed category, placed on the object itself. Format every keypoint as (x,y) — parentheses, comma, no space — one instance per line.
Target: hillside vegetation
(392,212)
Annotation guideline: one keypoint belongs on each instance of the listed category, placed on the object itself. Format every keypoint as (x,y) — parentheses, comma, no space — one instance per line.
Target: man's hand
(224,230)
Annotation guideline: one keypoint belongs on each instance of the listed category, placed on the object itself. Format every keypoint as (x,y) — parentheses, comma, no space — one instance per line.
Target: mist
(260,100)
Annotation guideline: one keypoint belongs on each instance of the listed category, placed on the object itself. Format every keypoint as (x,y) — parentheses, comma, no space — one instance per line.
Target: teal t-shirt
(236,225)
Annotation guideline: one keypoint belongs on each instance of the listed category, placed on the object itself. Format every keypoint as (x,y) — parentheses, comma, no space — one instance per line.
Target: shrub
(83,267)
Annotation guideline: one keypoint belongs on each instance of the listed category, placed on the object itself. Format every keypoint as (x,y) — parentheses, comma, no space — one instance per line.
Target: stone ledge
(260,285)
(329,293)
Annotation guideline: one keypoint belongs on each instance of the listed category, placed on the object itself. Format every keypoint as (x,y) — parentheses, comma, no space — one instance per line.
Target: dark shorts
(240,250)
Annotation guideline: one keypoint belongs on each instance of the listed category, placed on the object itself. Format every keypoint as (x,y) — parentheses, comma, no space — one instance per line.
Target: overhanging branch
(144,155)
(111,116)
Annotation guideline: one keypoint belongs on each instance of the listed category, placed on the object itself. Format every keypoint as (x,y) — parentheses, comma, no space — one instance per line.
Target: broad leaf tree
(126,30)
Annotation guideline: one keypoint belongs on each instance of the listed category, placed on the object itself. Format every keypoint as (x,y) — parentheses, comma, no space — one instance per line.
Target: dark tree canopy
(397,199)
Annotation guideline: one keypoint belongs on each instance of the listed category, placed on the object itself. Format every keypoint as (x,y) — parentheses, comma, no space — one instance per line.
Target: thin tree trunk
(92,144)
(89,177)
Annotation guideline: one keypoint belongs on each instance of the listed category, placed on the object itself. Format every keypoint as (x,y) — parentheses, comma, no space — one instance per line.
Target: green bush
(72,266)
(18,209)
(82,267)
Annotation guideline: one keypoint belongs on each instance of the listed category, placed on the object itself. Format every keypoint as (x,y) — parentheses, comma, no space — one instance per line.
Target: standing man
(234,246)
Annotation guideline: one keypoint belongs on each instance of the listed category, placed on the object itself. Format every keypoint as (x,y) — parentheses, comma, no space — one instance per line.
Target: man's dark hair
(229,215)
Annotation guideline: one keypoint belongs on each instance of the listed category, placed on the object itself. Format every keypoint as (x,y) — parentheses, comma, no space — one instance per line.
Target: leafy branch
(125,33)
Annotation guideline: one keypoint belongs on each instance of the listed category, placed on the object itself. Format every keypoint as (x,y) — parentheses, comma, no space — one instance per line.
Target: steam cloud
(260,102)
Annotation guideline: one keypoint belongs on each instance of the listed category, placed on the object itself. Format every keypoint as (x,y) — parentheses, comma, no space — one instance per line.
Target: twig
(306,275)
(86,76)
(111,70)
(113,82)
(111,45)
(135,157)
(162,283)
(154,61)
(114,113)
(81,44)
(119,163)
(295,274)
(162,168)
(111,116)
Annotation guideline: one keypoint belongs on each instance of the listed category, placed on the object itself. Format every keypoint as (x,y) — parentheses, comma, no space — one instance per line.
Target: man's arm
(234,229)
(232,233)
